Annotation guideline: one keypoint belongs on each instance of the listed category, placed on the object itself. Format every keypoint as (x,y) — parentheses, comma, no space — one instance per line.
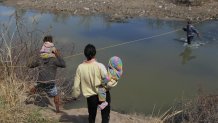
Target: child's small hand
(114,78)
(57,53)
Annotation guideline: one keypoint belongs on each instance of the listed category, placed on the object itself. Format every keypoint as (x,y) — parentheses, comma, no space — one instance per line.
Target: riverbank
(81,116)
(45,107)
(17,107)
(122,9)
(202,108)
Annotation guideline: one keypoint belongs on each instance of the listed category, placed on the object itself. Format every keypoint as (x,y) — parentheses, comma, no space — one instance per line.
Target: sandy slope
(81,116)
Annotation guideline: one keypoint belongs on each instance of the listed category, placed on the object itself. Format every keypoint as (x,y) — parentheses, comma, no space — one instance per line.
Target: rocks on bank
(119,10)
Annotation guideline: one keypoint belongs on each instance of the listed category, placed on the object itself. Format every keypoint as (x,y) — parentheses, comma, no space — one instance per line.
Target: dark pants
(93,103)
(189,39)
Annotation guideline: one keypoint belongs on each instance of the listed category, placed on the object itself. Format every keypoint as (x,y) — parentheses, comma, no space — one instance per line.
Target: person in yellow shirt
(88,77)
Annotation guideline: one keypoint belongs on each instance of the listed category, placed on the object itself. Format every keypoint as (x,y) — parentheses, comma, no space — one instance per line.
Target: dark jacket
(47,68)
(190,30)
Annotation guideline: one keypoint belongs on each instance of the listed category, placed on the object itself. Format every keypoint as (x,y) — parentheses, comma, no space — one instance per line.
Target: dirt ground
(80,115)
(118,10)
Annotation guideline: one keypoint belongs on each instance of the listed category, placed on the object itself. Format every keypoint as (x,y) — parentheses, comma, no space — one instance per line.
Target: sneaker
(102,105)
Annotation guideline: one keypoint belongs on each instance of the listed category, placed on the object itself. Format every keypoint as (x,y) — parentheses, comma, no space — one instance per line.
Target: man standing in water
(190,30)
(47,73)
(88,77)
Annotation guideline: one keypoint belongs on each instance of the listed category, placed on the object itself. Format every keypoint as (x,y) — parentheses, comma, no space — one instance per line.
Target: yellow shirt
(88,77)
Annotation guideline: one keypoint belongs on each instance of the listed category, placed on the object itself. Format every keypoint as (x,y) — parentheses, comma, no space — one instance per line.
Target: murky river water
(157,71)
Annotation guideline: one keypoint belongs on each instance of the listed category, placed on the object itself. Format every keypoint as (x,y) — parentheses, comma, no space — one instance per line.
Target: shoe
(102,105)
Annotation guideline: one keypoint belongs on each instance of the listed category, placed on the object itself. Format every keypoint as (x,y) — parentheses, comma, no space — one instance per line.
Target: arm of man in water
(184,29)
(195,30)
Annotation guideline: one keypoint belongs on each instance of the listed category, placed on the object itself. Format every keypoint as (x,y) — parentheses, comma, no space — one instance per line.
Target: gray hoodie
(47,68)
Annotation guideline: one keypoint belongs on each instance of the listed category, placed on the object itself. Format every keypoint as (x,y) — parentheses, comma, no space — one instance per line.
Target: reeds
(12,97)
(13,83)
(201,109)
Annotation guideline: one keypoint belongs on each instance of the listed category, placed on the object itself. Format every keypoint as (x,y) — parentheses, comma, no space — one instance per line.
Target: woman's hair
(89,51)
(48,39)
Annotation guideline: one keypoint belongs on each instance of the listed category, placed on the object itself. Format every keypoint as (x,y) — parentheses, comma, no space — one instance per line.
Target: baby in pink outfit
(48,48)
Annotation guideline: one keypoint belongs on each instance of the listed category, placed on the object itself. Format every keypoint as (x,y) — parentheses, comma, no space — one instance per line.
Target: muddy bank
(46,108)
(80,115)
(122,9)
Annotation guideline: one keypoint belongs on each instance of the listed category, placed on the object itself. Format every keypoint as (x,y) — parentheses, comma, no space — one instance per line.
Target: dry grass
(14,81)
(12,107)
(12,97)
(201,109)
(15,78)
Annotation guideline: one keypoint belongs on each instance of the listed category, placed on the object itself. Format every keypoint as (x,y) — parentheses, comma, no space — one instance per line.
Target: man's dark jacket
(47,68)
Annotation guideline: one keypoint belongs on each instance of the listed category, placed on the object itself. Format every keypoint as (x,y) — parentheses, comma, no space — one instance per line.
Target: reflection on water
(153,74)
(187,55)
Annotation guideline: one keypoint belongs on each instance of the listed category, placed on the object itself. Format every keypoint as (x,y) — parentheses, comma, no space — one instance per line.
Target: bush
(12,107)
(13,85)
(202,109)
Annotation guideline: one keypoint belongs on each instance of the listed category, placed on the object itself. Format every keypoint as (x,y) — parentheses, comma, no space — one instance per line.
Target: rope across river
(125,43)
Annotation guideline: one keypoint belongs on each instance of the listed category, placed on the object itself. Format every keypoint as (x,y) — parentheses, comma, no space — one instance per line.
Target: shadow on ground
(39,100)
(73,118)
